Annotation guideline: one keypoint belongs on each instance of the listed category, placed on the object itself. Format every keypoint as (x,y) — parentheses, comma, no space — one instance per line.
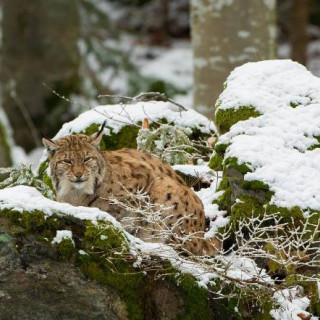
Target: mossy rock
(216,161)
(101,251)
(65,249)
(226,118)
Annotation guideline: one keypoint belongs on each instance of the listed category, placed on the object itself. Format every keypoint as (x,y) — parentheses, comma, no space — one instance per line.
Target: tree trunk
(39,45)
(298,30)
(226,34)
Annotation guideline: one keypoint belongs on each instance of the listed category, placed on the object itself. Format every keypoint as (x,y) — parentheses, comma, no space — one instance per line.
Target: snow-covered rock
(269,114)
(104,252)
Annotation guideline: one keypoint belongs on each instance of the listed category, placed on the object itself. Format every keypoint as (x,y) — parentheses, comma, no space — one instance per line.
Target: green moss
(104,265)
(215,162)
(246,207)
(42,174)
(104,237)
(29,221)
(224,200)
(108,264)
(295,213)
(311,290)
(5,147)
(226,118)
(65,249)
(220,147)
(255,185)
(197,299)
(233,163)
(316,145)
(293,104)
(125,138)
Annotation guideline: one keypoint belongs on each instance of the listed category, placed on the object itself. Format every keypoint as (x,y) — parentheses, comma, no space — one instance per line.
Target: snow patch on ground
(292,305)
(23,198)
(174,66)
(62,235)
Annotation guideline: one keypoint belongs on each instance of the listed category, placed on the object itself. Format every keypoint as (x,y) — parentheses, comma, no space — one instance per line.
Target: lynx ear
(51,146)
(96,138)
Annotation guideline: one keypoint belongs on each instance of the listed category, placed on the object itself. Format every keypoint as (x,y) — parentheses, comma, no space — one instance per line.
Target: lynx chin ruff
(85,176)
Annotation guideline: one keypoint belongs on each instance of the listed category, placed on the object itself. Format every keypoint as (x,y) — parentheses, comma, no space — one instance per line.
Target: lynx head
(76,163)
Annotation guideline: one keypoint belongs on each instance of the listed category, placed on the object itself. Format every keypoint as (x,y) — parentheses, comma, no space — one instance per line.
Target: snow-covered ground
(292,305)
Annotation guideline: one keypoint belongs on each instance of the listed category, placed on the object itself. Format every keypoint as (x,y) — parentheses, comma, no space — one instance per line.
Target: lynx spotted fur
(85,176)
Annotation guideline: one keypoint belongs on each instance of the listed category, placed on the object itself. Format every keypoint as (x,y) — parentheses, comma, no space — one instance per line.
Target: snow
(275,145)
(207,195)
(165,252)
(211,210)
(243,34)
(173,66)
(292,305)
(245,269)
(120,115)
(23,198)
(62,235)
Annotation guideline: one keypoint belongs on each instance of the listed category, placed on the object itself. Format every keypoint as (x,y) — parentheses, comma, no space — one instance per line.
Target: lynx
(85,176)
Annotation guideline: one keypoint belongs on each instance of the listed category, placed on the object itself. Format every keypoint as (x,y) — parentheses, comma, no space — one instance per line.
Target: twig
(147,96)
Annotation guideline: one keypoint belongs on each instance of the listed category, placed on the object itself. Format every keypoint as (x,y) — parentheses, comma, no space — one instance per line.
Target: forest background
(86,48)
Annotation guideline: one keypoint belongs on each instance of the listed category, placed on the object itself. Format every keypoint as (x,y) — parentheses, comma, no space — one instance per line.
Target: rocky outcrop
(268,149)
(94,275)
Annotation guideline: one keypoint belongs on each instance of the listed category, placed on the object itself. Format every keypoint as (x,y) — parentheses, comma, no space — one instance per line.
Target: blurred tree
(299,22)
(39,45)
(315,12)
(226,34)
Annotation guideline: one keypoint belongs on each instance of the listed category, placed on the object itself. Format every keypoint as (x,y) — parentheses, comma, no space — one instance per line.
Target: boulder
(269,144)
(60,261)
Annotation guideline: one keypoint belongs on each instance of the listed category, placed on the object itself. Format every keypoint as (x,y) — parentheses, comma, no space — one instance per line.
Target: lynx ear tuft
(96,138)
(50,145)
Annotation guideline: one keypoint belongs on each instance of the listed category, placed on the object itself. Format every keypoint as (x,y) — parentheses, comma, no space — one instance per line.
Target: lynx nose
(78,176)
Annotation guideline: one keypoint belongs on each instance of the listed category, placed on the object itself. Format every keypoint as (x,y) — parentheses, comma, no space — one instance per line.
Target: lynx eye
(87,159)
(68,161)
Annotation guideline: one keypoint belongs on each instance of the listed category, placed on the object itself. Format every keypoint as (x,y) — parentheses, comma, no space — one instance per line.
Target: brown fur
(85,176)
